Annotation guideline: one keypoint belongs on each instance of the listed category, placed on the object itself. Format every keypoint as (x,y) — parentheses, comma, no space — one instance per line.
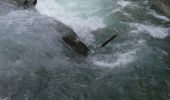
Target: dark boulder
(26,3)
(77,45)
(34,2)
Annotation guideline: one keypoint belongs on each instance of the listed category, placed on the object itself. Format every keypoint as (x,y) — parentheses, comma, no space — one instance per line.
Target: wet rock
(77,45)
(70,38)
(163,5)
(34,2)
(26,3)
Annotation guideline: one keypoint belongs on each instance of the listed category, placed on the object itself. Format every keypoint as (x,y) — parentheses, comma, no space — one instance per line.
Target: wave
(154,31)
(70,17)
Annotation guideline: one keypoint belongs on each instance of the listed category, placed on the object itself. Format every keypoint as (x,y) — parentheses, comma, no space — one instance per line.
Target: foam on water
(123,3)
(156,15)
(115,60)
(154,31)
(71,17)
(162,51)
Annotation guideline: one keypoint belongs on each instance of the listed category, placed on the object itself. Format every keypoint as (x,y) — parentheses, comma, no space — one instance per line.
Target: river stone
(77,45)
(163,5)
(70,38)
(26,3)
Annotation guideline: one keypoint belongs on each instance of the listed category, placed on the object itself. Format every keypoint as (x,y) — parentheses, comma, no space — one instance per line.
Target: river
(134,66)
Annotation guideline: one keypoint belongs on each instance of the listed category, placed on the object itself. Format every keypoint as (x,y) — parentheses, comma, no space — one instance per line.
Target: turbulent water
(36,65)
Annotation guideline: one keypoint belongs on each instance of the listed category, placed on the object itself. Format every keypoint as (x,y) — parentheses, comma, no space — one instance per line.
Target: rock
(163,5)
(26,3)
(77,45)
(34,2)
(70,38)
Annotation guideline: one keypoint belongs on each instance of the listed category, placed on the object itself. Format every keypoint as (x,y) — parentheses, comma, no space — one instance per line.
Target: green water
(134,66)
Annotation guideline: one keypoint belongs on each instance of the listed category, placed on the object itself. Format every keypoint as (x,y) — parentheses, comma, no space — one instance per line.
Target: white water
(83,17)
(123,3)
(71,13)
(154,31)
(115,60)
(35,64)
(159,16)
(72,17)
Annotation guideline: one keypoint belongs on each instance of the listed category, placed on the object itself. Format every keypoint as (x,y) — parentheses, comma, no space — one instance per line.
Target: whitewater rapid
(72,17)
(35,63)
(85,17)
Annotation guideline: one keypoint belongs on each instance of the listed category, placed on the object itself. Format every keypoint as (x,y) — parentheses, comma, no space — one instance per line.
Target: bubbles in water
(155,31)
(114,60)
(123,3)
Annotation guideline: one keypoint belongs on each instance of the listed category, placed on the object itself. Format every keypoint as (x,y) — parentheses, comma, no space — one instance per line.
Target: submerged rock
(163,5)
(76,44)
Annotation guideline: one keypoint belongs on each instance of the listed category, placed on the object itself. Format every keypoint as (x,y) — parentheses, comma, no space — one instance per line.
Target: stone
(26,3)
(34,2)
(77,45)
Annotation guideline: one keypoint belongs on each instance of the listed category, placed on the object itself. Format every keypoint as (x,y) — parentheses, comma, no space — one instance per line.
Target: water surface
(38,66)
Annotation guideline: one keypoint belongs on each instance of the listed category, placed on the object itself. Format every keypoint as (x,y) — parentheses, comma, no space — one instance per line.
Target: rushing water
(36,65)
